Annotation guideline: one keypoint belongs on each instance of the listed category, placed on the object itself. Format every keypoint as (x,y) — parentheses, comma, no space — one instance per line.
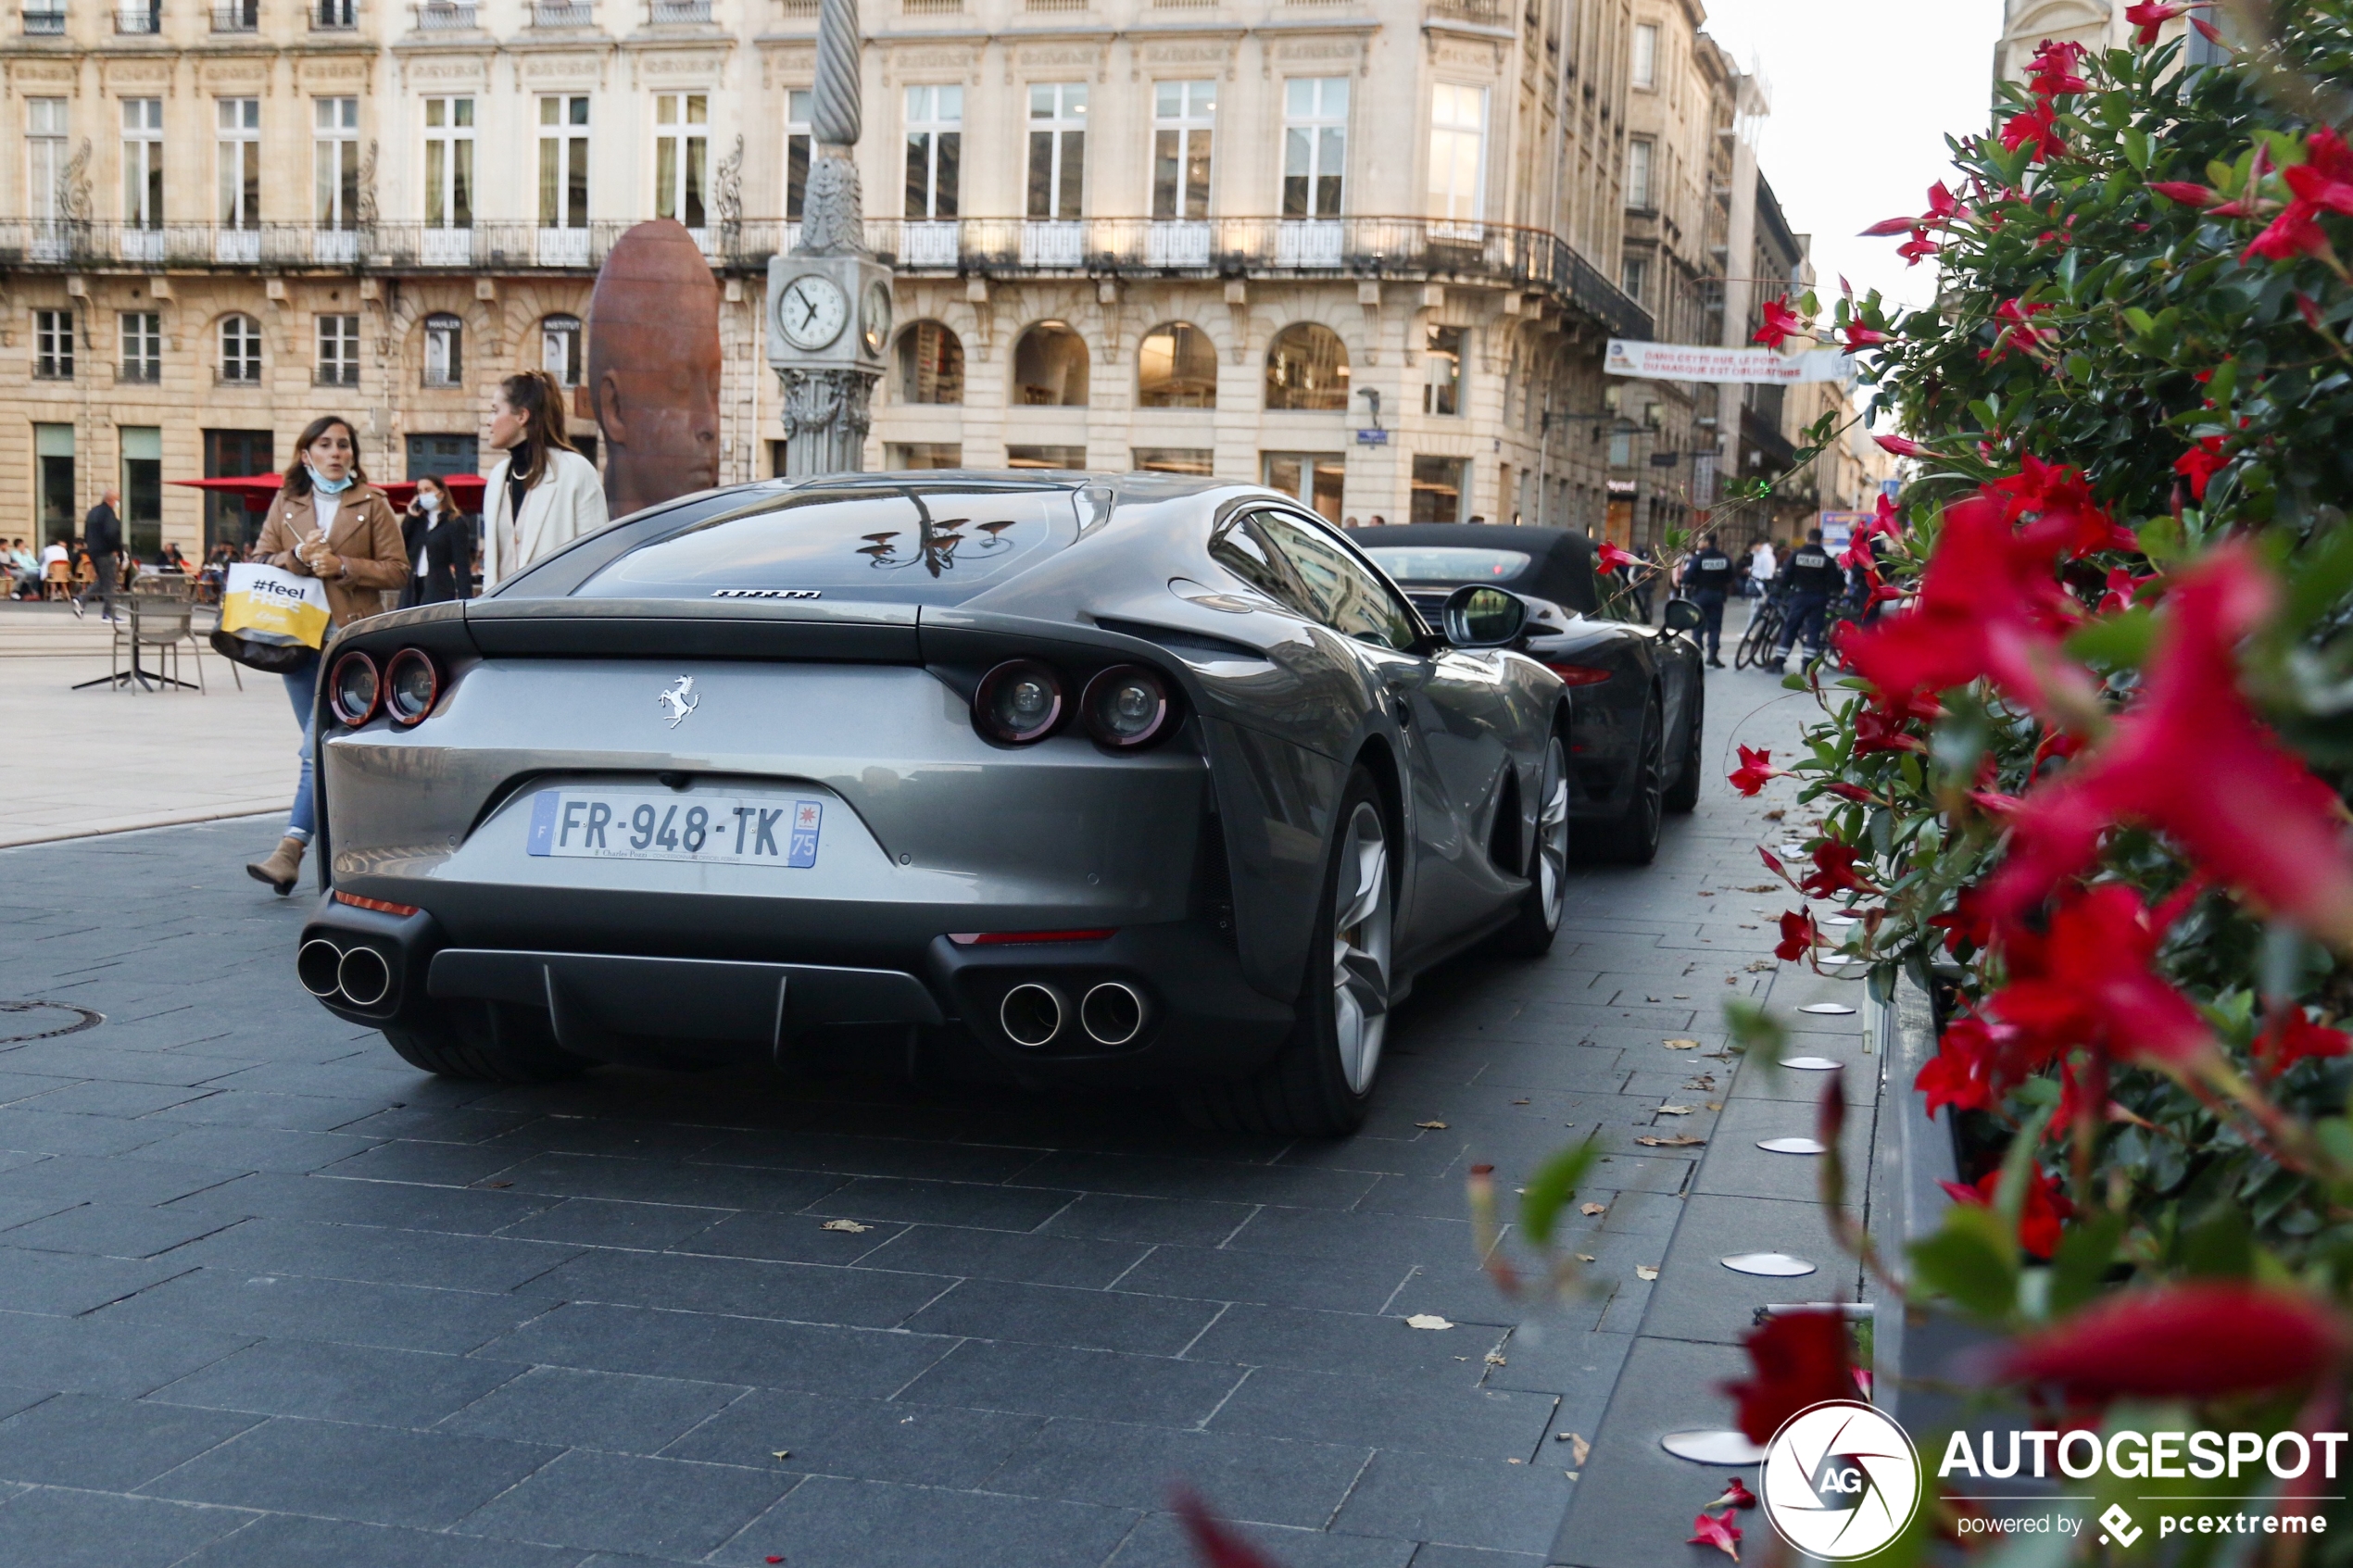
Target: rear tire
(1683,798)
(1757,639)
(1321,1084)
(485,1043)
(1631,838)
(1538,918)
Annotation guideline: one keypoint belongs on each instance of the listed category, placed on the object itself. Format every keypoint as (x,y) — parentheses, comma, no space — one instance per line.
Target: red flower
(2293,233)
(2038,1217)
(1919,246)
(1879,725)
(1797,1358)
(1966,922)
(1780,324)
(1722,1534)
(2087,981)
(1988,606)
(1217,1543)
(2193,1341)
(2200,464)
(2310,309)
(1943,206)
(1859,337)
(1736,1495)
(1887,226)
(2191,760)
(1902,446)
(1834,873)
(1755,769)
(2037,128)
(2017,327)
(1609,557)
(1845,791)
(1978,1062)
(2064,510)
(2150,15)
(2325,177)
(2123,587)
(2053,69)
(1797,935)
(2288,1037)
(2186,193)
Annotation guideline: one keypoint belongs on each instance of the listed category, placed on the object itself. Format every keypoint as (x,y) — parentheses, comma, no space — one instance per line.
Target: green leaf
(1967,1261)
(2081,1264)
(2137,149)
(2119,641)
(2221,1246)
(1550,1187)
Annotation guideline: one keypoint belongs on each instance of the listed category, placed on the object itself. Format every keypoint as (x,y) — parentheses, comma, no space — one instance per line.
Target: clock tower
(828,298)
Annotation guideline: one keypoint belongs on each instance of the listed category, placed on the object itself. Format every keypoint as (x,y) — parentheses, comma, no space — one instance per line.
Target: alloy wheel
(1361,920)
(1552,835)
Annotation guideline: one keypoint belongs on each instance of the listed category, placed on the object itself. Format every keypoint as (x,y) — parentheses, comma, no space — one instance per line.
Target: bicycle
(1764,631)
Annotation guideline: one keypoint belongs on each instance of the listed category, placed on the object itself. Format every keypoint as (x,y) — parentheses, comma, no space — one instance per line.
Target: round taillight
(354,689)
(411,685)
(1018,702)
(1125,706)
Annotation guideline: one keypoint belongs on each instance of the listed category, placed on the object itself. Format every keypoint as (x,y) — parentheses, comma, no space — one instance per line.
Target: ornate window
(445,350)
(1176,368)
(1049,367)
(1307,368)
(931,364)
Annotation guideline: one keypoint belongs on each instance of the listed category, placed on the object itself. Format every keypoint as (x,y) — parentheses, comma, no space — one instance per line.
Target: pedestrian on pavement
(327,521)
(24,572)
(1761,567)
(441,548)
(1707,578)
(102,536)
(1814,580)
(542,494)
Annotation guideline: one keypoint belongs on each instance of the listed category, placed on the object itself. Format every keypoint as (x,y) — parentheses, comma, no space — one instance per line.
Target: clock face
(812,311)
(874,319)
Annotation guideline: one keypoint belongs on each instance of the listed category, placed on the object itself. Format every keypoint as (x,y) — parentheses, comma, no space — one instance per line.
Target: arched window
(931,364)
(1307,368)
(559,348)
(241,350)
(1049,367)
(1176,368)
(445,350)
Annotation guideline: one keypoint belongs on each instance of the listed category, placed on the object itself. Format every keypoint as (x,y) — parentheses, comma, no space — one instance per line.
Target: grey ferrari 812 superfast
(1053,778)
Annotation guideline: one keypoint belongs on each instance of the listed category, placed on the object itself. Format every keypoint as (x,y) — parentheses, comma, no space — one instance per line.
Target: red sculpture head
(653,366)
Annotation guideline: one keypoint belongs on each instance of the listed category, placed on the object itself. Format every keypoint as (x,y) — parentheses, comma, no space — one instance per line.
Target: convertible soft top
(1559,564)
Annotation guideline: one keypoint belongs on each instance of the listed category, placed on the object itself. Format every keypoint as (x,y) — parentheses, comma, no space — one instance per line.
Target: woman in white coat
(543,494)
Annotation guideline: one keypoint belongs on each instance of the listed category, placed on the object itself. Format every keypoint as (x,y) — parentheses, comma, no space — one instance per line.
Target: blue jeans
(1801,616)
(1711,619)
(302,690)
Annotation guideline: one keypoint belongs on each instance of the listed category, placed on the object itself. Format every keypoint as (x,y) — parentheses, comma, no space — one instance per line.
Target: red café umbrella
(257,489)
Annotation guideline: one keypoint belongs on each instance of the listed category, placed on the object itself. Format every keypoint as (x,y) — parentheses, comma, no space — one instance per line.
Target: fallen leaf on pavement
(1763,887)
(1776,814)
(497,1183)
(1593,1208)
(1519,1102)
(1682,1140)
(1715,1105)
(1578,1447)
(1705,1081)
(1674,1111)
(1515,1461)
(1584,1257)
(1426,1320)
(1495,1358)
(780,1453)
(1646,1271)
(1679,1044)
(1432,1127)
(852,1226)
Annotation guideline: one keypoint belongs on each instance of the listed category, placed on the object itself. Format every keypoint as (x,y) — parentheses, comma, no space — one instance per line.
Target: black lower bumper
(1147,1004)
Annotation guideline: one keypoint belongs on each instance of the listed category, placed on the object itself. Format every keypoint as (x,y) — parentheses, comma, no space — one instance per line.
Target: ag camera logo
(1841,1480)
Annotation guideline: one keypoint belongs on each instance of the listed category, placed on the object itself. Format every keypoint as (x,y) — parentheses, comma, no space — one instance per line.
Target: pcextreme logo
(1841,1480)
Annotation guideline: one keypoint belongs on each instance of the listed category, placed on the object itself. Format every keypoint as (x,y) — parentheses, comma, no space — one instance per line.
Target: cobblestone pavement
(268,1297)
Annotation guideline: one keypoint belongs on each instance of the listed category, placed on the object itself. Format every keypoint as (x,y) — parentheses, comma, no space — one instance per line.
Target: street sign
(1372,438)
(1838,529)
(1666,459)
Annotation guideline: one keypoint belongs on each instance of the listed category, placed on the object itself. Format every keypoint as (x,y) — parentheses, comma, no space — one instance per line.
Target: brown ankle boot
(280,870)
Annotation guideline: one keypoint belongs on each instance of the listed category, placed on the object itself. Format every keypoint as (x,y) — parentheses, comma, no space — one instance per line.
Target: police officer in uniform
(1812,579)
(1707,578)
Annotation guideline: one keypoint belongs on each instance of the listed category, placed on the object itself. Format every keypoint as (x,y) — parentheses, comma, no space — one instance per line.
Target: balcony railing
(563,13)
(133,20)
(1480,13)
(672,12)
(238,16)
(44,24)
(445,16)
(1356,249)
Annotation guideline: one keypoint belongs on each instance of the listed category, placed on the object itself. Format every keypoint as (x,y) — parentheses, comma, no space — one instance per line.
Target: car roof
(1560,565)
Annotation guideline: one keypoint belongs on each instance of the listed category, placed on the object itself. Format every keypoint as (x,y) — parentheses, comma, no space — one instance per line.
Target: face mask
(428,500)
(324,485)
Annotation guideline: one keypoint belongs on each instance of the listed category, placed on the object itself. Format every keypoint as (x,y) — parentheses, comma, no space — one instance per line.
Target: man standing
(1707,578)
(1761,567)
(102,536)
(1814,578)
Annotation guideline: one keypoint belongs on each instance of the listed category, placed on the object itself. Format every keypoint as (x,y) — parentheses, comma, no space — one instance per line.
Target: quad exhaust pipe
(359,976)
(1035,1014)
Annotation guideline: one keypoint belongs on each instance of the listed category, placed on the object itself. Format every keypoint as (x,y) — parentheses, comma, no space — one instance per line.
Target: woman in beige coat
(543,494)
(327,521)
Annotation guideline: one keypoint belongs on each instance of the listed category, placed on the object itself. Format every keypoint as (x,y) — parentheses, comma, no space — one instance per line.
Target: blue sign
(1372,438)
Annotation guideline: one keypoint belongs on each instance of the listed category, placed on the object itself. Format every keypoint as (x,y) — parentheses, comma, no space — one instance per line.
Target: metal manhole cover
(20,1022)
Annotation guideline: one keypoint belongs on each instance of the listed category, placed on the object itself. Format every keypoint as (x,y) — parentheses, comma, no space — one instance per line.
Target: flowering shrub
(2088,785)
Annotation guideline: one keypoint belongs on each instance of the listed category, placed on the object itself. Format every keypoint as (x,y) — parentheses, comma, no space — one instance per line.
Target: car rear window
(903,543)
(1441,564)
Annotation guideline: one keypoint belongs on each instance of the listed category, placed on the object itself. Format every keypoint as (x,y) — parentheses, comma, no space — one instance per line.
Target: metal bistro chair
(159,624)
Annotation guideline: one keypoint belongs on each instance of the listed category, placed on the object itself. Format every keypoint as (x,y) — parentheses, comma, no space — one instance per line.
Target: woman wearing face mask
(328,522)
(543,494)
(440,544)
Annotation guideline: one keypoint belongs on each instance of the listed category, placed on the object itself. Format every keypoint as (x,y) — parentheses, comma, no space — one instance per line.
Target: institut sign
(1679,361)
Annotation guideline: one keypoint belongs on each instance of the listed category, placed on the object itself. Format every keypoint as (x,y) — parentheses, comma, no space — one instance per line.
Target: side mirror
(1480,617)
(1683,615)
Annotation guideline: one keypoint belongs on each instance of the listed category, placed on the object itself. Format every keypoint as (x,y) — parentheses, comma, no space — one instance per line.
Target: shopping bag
(263,604)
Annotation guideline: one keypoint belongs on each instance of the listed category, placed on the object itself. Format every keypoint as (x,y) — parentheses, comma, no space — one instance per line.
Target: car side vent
(1185,645)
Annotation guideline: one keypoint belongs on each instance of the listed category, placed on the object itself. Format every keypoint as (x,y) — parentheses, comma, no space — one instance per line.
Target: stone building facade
(1175,233)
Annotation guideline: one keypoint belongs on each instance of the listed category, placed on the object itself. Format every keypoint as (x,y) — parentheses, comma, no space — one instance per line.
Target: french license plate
(726,830)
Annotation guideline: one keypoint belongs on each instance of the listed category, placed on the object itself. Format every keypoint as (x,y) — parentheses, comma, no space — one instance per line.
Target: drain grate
(20,1022)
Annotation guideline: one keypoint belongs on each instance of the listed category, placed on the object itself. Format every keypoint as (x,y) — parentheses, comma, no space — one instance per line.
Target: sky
(1863,93)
